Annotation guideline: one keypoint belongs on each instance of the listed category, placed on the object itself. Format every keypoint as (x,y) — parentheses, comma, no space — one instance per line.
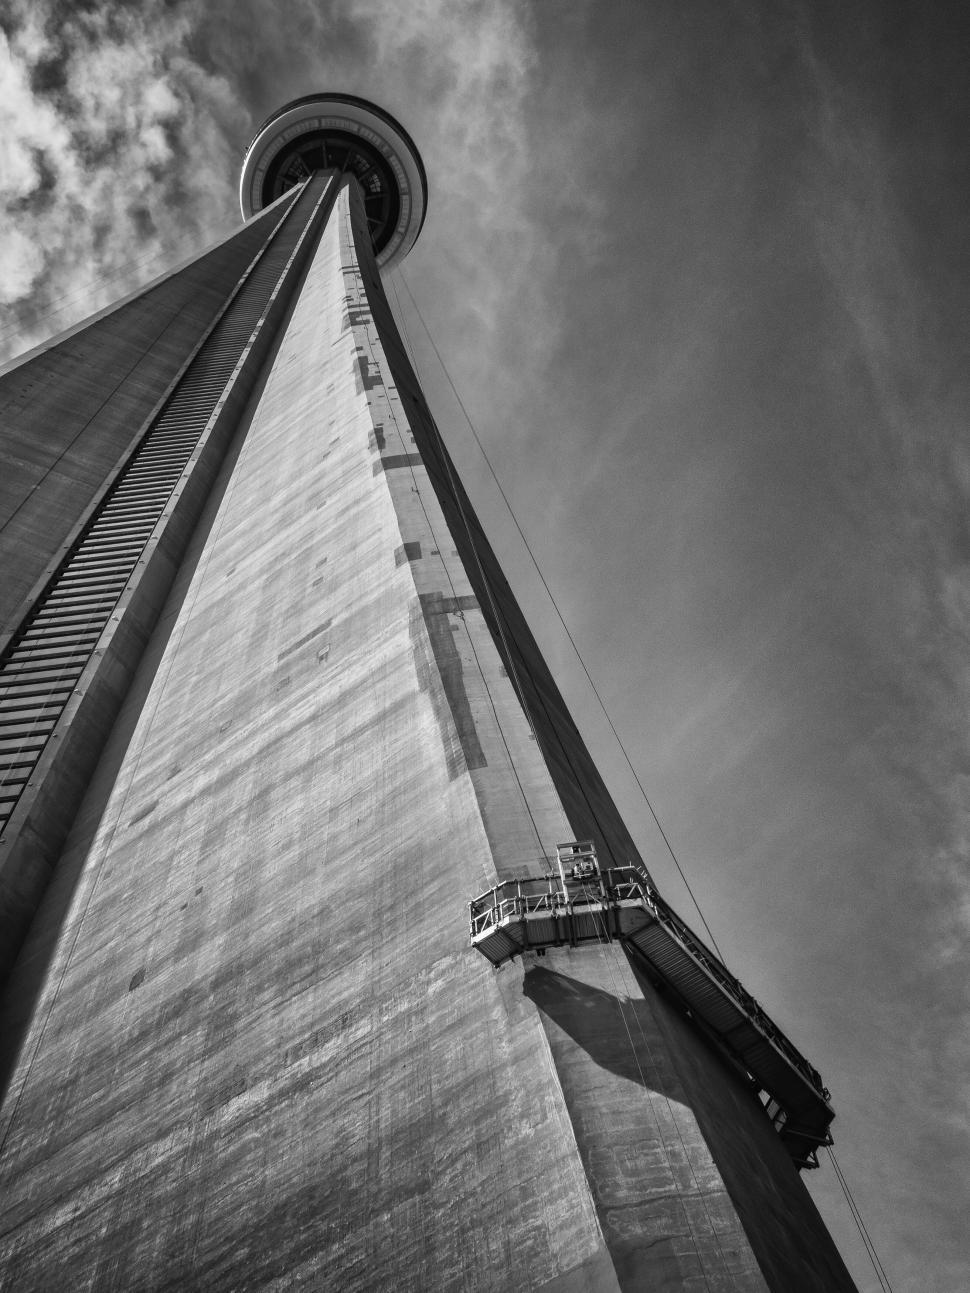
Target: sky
(698,272)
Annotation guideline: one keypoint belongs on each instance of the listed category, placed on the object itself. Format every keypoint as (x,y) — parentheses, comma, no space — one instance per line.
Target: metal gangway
(581,903)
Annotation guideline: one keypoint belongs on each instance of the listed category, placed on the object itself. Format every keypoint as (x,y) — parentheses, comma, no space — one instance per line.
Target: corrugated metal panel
(540,931)
(496,945)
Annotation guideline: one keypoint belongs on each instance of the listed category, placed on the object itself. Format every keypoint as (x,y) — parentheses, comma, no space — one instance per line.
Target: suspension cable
(879,1269)
(555,605)
(863,1230)
(453,488)
(468,634)
(501,624)
(402,325)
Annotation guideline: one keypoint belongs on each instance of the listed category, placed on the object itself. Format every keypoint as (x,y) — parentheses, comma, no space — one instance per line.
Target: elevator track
(47,655)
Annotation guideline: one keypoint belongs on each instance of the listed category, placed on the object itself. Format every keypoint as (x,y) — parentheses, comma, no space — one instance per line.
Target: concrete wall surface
(114,637)
(265,1056)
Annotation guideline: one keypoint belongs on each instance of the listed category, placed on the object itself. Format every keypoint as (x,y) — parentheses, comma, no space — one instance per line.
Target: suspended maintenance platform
(582,903)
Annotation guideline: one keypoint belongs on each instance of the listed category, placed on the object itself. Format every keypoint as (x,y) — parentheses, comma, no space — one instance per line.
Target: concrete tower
(271,718)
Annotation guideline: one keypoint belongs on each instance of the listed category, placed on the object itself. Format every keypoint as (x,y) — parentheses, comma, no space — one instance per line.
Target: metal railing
(529,897)
(736,990)
(516,900)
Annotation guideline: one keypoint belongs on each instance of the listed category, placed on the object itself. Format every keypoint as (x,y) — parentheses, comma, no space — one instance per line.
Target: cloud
(115,158)
(125,129)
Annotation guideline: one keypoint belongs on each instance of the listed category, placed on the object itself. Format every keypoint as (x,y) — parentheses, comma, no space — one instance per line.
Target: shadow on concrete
(618,1033)
(649,1042)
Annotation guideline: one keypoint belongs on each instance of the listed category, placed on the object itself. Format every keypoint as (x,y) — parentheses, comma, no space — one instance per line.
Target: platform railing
(532,896)
(518,899)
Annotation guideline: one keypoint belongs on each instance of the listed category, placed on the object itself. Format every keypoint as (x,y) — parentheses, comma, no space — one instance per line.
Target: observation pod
(350,135)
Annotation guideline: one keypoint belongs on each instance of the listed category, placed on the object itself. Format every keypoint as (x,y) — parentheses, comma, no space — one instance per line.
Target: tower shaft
(260,1052)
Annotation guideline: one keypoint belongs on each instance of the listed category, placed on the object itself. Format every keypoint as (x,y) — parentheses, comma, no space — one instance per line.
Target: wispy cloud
(116,147)
(123,130)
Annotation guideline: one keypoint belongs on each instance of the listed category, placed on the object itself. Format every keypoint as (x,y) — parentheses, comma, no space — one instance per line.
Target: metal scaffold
(582,903)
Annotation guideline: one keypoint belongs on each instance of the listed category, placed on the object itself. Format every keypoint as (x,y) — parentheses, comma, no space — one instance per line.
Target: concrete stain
(428,612)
